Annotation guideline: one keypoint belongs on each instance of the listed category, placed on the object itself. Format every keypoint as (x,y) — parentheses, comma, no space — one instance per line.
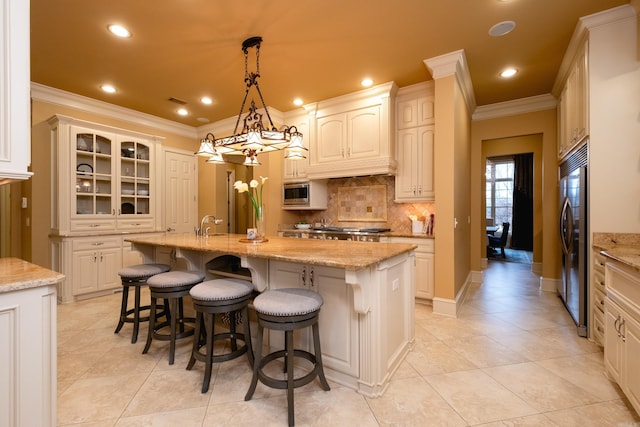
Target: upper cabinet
(353,134)
(573,110)
(15,124)
(415,143)
(103,179)
(296,170)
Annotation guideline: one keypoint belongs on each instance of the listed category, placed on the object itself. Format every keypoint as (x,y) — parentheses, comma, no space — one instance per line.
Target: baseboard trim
(451,307)
(549,284)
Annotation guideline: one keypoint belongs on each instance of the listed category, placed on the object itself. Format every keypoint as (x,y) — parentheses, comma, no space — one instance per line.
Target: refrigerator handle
(563,236)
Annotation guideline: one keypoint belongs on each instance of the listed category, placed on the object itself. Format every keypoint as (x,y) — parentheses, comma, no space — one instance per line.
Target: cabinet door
(338,321)
(631,374)
(109,263)
(94,169)
(331,139)
(424,274)
(135,172)
(426,189)
(297,169)
(85,272)
(407,155)
(612,351)
(363,133)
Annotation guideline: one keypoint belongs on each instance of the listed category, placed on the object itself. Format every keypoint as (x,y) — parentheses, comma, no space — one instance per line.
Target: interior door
(181,205)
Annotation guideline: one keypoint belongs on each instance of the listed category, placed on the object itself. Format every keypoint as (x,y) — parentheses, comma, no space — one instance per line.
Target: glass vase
(259,223)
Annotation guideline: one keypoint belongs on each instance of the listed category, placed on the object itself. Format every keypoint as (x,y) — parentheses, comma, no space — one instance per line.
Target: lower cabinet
(425,265)
(91,263)
(622,329)
(338,321)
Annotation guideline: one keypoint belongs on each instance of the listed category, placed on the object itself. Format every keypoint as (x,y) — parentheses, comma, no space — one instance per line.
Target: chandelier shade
(254,137)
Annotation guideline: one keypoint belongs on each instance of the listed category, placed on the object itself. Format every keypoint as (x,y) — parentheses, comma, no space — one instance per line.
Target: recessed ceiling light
(366,82)
(508,72)
(183,111)
(119,30)
(298,102)
(206,100)
(502,28)
(108,88)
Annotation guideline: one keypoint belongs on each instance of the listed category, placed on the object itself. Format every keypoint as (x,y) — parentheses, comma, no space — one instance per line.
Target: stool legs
(205,331)
(124,312)
(289,353)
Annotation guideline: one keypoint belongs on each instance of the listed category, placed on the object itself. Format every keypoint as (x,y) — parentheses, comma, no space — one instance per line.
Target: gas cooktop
(351,230)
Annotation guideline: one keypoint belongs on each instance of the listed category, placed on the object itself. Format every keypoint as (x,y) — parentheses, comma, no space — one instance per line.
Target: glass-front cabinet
(109,174)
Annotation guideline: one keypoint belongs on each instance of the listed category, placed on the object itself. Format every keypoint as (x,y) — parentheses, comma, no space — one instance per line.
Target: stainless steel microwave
(304,195)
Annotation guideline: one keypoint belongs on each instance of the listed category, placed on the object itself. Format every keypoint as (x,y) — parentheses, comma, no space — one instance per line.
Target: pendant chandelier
(255,137)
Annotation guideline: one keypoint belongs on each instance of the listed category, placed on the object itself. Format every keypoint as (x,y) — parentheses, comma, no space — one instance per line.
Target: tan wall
(544,124)
(451,174)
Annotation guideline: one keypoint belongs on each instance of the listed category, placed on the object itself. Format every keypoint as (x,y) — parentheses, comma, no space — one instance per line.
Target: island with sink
(367,320)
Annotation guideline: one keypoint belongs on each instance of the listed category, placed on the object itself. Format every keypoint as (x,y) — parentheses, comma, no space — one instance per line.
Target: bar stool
(136,276)
(288,310)
(171,286)
(213,297)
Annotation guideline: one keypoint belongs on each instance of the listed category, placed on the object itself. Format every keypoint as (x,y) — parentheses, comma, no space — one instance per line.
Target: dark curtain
(522,227)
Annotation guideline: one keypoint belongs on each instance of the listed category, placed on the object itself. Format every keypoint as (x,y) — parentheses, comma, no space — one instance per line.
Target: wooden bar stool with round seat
(136,276)
(171,286)
(287,310)
(220,296)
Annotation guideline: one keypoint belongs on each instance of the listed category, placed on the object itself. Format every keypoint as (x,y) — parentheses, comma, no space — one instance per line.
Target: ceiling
(187,49)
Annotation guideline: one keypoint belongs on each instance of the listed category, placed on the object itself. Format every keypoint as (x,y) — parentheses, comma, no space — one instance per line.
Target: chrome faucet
(207,218)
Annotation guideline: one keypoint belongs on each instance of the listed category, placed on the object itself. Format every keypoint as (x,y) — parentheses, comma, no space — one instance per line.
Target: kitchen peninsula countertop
(335,253)
(621,247)
(17,274)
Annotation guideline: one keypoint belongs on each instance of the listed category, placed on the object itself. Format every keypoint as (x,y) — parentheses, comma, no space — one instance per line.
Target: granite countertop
(621,247)
(16,274)
(385,234)
(331,253)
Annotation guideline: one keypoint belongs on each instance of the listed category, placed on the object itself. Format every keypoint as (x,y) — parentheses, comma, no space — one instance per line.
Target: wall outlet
(24,203)
(395,285)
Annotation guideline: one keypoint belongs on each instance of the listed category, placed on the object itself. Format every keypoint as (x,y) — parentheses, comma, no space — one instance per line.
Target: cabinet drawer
(96,243)
(135,224)
(424,244)
(598,302)
(625,285)
(598,281)
(598,327)
(599,262)
(93,224)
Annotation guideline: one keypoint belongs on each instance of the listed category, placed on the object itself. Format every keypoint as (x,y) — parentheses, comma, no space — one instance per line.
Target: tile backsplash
(367,202)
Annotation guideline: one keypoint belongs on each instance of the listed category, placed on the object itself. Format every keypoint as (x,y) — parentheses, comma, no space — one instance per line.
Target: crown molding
(581,34)
(454,63)
(68,99)
(514,107)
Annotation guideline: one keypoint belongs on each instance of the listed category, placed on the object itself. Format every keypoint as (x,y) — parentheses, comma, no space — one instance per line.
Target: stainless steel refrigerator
(573,236)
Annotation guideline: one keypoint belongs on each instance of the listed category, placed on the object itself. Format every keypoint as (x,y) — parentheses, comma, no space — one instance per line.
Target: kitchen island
(28,352)
(367,320)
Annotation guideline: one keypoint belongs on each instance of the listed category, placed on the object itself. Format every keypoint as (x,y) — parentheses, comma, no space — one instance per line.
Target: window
(499,188)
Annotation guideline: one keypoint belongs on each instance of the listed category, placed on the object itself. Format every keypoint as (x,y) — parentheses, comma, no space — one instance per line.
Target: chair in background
(499,242)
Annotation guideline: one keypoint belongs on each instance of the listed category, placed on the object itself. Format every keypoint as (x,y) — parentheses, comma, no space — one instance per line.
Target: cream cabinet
(573,110)
(424,276)
(96,262)
(91,263)
(415,144)
(15,102)
(622,329)
(28,348)
(414,179)
(103,179)
(353,134)
(338,321)
(597,298)
(296,170)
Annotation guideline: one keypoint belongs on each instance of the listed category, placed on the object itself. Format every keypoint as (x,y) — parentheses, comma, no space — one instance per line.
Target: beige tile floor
(511,359)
